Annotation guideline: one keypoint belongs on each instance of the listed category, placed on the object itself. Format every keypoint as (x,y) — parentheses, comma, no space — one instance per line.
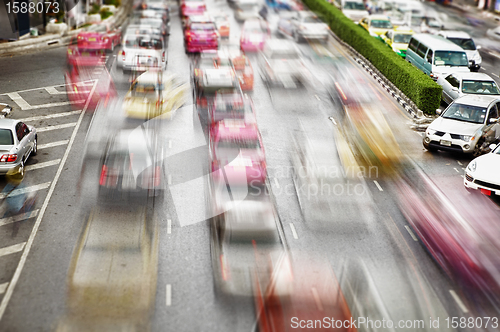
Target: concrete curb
(55,40)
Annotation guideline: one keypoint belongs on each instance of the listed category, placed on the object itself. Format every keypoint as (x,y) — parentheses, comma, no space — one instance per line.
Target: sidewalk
(470,7)
(54,40)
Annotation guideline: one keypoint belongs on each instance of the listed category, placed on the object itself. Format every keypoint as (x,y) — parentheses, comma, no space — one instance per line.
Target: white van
(353,9)
(464,40)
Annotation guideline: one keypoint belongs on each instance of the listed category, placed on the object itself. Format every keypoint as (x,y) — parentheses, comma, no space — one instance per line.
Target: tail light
(8,158)
(123,55)
(224,268)
(163,57)
(104,175)
(144,6)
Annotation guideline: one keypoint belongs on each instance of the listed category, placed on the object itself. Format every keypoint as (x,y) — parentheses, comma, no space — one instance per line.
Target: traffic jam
(238,166)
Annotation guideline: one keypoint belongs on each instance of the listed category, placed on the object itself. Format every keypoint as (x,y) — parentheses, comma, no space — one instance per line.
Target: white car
(353,9)
(142,51)
(482,173)
(465,126)
(246,9)
(459,84)
(464,40)
(303,25)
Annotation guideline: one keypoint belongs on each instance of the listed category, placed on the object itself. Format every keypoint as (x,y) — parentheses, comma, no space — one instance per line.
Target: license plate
(486,192)
(445,143)
(91,39)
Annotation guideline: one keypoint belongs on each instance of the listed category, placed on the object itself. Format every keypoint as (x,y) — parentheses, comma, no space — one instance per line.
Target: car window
(6,137)
(421,50)
(402,38)
(480,87)
(453,81)
(19,131)
(413,45)
(493,112)
(466,44)
(451,58)
(381,24)
(429,56)
(25,129)
(466,113)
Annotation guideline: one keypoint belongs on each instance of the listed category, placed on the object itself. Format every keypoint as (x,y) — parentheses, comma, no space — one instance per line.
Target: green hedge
(417,86)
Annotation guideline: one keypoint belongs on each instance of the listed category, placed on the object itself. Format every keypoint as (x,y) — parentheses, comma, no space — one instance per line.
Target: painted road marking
(27,189)
(378,185)
(51,116)
(411,233)
(459,163)
(3,287)
(459,302)
(169,226)
(61,126)
(169,295)
(29,243)
(276,183)
(317,299)
(12,249)
(42,88)
(294,232)
(50,145)
(19,217)
(495,74)
(169,179)
(53,91)
(19,100)
(456,169)
(169,143)
(42,165)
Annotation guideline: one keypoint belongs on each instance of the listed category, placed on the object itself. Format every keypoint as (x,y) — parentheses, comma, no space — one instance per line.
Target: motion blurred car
(494,33)
(457,85)
(376,25)
(281,64)
(200,35)
(100,36)
(137,29)
(246,9)
(482,173)
(243,69)
(398,40)
(232,106)
(352,9)
(153,95)
(460,232)
(156,23)
(301,295)
(467,125)
(464,40)
(113,272)
(18,142)
(73,54)
(222,23)
(427,22)
(192,8)
(210,82)
(129,168)
(303,25)
(237,152)
(254,34)
(154,13)
(292,5)
(140,52)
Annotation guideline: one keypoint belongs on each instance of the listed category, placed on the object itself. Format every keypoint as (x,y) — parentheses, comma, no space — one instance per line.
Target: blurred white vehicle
(303,25)
(353,9)
(482,173)
(464,40)
(246,9)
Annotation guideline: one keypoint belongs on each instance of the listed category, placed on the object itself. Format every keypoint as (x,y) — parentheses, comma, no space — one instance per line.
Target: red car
(244,71)
(254,34)
(100,36)
(192,8)
(460,231)
(93,57)
(200,35)
(236,148)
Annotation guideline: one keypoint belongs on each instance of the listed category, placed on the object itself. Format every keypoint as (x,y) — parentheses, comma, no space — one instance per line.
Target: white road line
(316,97)
(62,103)
(51,145)
(169,179)
(495,74)
(29,189)
(378,185)
(169,295)
(3,287)
(411,233)
(459,302)
(169,226)
(42,88)
(316,298)
(12,249)
(276,183)
(53,91)
(458,161)
(61,126)
(294,232)
(19,101)
(456,169)
(19,217)
(29,243)
(42,165)
(169,143)
(51,116)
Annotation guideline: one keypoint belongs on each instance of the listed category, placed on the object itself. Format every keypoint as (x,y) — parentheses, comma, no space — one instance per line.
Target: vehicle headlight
(466,138)
(472,166)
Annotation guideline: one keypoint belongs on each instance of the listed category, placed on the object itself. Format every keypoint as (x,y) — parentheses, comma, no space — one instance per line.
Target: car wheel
(35,147)
(477,149)
(21,169)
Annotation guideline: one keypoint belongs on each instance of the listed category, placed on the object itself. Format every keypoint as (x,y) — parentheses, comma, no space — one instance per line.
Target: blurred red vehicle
(461,232)
(232,106)
(200,35)
(244,71)
(237,152)
(100,36)
(254,34)
(302,296)
(92,56)
(192,8)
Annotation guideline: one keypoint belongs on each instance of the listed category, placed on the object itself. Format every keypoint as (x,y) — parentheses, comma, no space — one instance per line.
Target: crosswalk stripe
(16,97)
(12,249)
(61,126)
(51,116)
(25,190)
(63,103)
(42,165)
(19,217)
(3,287)
(52,144)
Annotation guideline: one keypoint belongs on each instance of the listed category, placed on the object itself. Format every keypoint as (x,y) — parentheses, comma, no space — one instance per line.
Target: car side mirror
(438,111)
(492,120)
(492,147)
(478,47)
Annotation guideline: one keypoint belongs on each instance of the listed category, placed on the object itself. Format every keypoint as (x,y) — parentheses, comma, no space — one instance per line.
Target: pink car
(460,231)
(99,37)
(232,106)
(74,55)
(253,35)
(192,8)
(200,35)
(237,153)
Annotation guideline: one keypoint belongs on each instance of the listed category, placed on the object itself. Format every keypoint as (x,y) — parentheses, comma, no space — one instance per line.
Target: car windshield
(466,44)
(202,27)
(144,42)
(480,87)
(6,137)
(144,90)
(497,150)
(402,38)
(239,144)
(451,58)
(467,113)
(381,24)
(354,5)
(311,19)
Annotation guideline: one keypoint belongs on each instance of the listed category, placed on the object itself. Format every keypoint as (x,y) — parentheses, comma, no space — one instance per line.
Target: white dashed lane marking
(52,144)
(294,232)
(51,116)
(378,185)
(25,190)
(19,217)
(42,165)
(61,126)
(12,249)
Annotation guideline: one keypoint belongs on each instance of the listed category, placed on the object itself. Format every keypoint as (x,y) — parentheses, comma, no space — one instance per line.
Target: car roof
(455,34)
(223,76)
(233,129)
(473,76)
(8,123)
(437,43)
(477,100)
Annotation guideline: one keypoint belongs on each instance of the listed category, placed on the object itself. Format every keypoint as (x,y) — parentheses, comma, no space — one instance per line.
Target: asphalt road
(34,270)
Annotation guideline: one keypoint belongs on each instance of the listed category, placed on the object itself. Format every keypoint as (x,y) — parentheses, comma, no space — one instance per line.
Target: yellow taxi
(376,25)
(154,94)
(398,40)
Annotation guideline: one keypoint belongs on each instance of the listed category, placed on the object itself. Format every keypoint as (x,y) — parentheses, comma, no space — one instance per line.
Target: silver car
(456,85)
(17,142)
(142,51)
